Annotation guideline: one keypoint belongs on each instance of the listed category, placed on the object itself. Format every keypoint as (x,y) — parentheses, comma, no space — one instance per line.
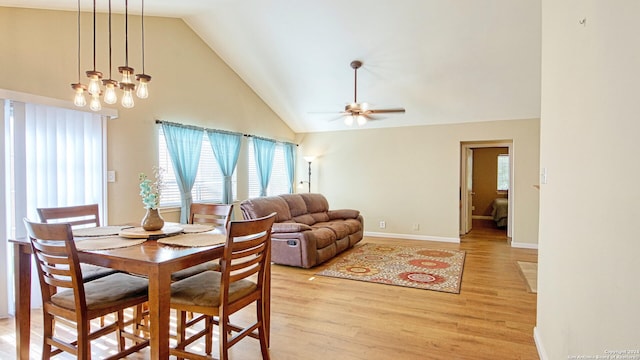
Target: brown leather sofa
(306,233)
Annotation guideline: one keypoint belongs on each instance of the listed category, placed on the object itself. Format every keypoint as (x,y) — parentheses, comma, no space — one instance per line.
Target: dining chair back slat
(77,216)
(216,214)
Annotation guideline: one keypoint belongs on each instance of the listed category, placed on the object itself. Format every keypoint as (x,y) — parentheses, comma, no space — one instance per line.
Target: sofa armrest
(289,227)
(343,214)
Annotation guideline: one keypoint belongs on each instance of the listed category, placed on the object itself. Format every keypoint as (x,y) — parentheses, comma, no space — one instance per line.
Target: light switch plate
(111,176)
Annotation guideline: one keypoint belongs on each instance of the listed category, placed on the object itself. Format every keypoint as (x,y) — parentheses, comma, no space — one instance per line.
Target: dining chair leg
(181,333)
(262,334)
(223,329)
(120,320)
(208,348)
(84,349)
(48,333)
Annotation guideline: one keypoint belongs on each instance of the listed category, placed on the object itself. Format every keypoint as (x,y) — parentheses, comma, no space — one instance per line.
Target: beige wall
(411,175)
(190,85)
(485,179)
(588,293)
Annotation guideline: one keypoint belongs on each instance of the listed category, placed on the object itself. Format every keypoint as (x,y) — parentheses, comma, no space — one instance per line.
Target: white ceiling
(444,61)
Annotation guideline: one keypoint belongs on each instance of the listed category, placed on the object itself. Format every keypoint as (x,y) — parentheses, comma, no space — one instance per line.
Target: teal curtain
(290,160)
(264,150)
(226,148)
(184,145)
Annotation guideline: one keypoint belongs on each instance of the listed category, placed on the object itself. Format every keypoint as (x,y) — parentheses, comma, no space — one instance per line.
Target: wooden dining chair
(74,215)
(217,215)
(78,216)
(217,295)
(66,296)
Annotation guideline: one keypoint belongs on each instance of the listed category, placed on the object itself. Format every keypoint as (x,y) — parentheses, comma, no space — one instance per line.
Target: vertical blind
(53,157)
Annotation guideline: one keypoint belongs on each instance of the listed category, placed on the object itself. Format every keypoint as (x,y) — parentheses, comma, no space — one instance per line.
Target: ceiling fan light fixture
(361,120)
(348,120)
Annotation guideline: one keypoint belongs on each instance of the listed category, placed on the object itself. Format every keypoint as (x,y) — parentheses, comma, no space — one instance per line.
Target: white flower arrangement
(150,190)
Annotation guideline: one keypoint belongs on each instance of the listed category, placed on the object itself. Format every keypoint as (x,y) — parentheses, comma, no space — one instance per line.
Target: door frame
(464,201)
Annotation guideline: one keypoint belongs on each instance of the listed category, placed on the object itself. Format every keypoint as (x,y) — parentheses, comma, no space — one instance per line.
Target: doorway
(477,199)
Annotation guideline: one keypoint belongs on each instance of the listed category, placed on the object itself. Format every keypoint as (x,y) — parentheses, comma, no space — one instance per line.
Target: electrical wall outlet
(383,224)
(416,227)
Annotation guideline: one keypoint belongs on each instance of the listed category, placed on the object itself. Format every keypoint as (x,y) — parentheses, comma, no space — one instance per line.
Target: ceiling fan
(361,112)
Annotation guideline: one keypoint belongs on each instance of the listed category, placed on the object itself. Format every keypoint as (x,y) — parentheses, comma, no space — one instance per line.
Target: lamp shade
(309,158)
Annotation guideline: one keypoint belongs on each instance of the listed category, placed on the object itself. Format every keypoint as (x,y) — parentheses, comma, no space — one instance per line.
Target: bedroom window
(503,172)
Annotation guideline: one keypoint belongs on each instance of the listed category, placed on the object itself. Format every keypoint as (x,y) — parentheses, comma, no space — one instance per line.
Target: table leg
(159,313)
(22,277)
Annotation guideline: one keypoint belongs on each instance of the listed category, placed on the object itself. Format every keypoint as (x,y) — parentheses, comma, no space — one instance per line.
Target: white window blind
(503,172)
(208,184)
(278,183)
(53,157)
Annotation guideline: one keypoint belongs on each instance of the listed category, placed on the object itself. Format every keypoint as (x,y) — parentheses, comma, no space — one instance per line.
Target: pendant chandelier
(127,83)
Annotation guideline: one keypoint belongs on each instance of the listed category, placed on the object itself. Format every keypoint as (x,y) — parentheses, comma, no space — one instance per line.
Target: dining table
(154,255)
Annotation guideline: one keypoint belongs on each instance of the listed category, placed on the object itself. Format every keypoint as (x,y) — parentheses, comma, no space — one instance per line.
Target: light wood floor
(328,318)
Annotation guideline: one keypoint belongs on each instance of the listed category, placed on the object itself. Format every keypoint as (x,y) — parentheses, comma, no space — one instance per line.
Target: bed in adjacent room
(500,211)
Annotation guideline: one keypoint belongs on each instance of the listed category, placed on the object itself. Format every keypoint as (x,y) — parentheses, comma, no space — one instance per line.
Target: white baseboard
(542,353)
(524,245)
(413,237)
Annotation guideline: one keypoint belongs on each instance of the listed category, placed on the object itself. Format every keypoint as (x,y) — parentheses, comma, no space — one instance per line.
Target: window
(208,184)
(503,172)
(278,183)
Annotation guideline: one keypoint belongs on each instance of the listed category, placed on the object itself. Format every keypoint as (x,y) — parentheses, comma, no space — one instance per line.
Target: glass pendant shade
(79,99)
(127,97)
(361,120)
(95,102)
(110,96)
(143,85)
(94,82)
(127,74)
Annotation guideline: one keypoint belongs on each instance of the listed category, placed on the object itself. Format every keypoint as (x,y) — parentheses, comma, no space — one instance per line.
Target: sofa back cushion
(263,206)
(296,203)
(316,203)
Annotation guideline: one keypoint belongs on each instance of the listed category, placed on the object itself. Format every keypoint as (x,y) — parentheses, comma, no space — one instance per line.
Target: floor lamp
(309,160)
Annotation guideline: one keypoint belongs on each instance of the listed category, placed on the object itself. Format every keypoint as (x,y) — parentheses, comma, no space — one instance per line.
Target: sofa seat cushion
(305,219)
(322,237)
(320,217)
(338,227)
(353,224)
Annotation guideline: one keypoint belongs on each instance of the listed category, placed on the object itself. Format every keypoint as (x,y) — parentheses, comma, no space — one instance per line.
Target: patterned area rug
(417,267)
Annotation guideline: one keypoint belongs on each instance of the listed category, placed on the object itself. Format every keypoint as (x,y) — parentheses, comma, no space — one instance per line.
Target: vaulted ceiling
(444,61)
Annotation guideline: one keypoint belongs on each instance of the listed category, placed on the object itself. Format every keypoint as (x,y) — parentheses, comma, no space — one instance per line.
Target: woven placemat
(196,228)
(99,231)
(106,242)
(194,240)
(140,233)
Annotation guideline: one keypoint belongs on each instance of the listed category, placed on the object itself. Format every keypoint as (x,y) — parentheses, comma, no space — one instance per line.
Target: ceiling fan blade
(384,111)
